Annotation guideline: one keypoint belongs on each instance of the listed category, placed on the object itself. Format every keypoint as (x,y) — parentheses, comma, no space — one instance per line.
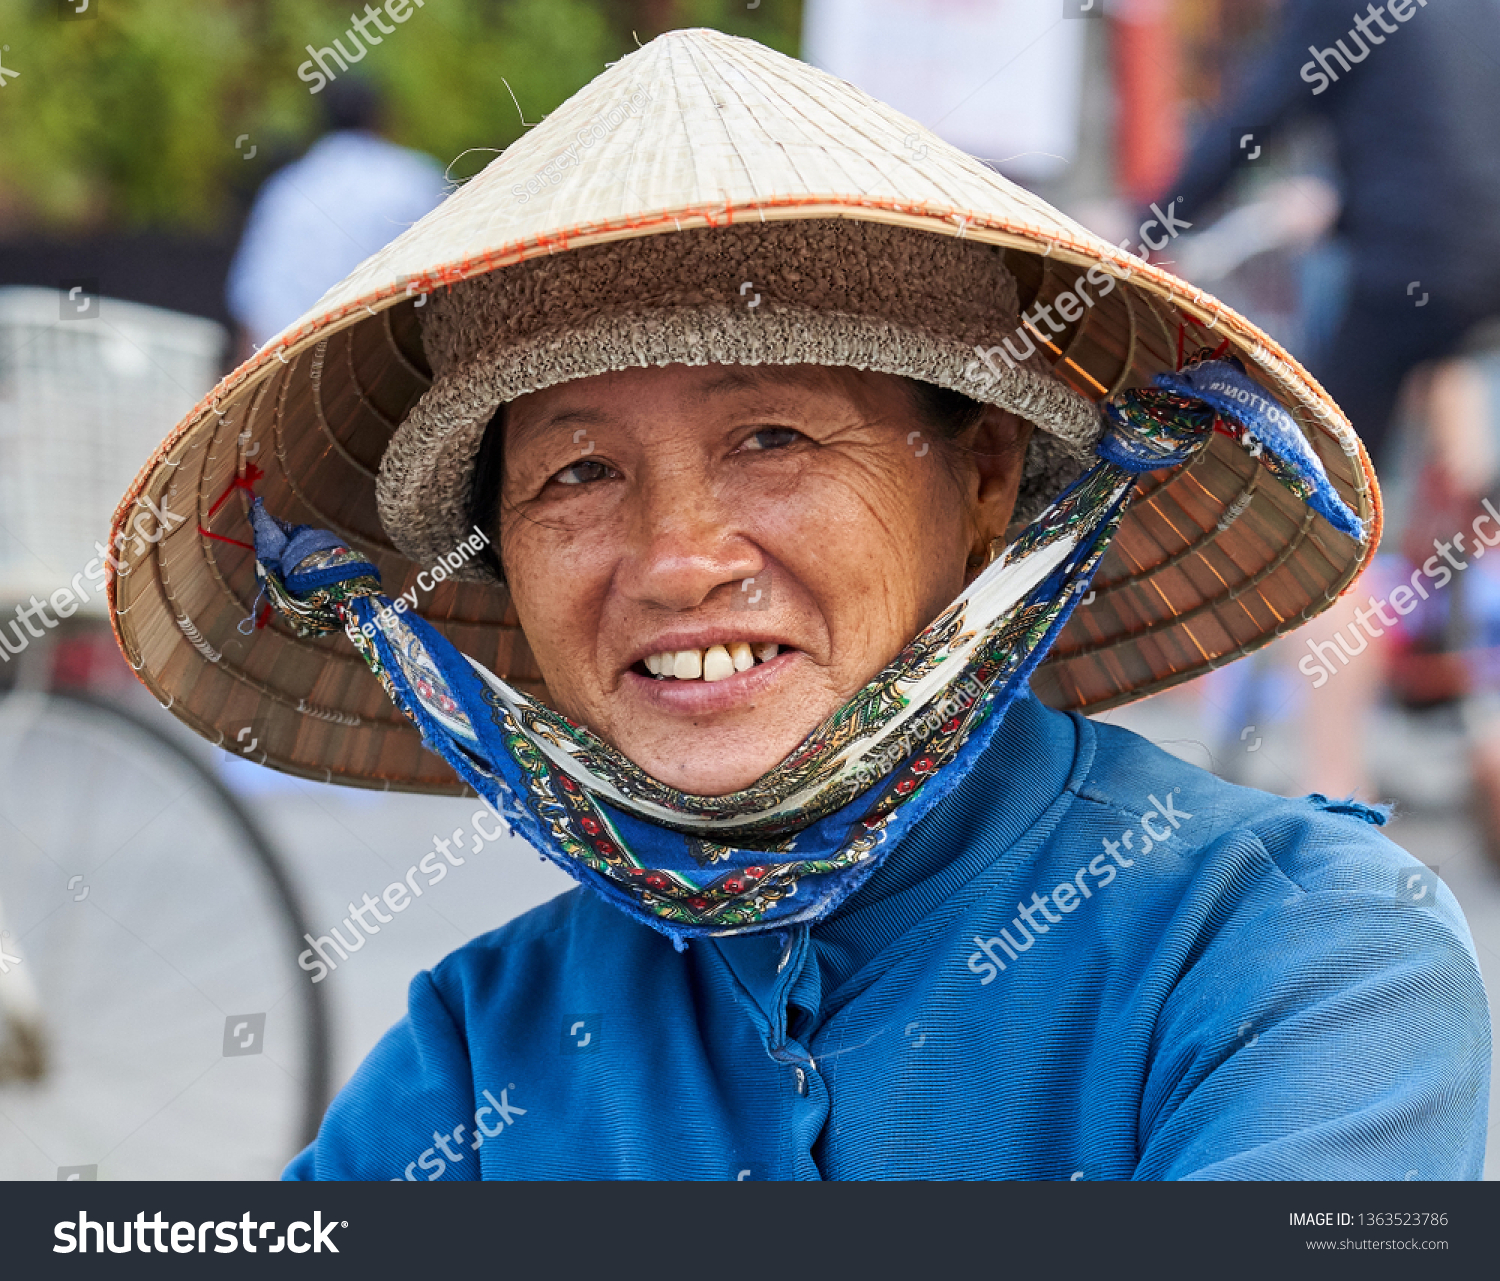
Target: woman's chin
(716,763)
(716,782)
(716,739)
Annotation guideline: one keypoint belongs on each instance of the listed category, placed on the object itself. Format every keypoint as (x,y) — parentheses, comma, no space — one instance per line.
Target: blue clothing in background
(319,218)
(1409,97)
(1416,124)
(1091,961)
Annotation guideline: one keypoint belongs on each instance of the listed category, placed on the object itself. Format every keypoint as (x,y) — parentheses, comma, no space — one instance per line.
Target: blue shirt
(1090,961)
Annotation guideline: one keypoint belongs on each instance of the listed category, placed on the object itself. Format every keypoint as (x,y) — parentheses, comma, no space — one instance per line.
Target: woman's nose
(684,542)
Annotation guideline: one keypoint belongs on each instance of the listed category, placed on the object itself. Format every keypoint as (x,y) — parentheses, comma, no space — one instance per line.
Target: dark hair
(352,103)
(484,491)
(949,413)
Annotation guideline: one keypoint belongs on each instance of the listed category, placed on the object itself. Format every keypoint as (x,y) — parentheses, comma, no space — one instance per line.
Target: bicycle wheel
(161,933)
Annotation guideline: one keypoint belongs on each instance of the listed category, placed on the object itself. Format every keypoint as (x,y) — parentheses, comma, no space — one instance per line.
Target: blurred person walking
(316,219)
(1408,91)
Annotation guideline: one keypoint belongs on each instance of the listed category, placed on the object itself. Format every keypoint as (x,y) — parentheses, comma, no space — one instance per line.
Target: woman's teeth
(716,663)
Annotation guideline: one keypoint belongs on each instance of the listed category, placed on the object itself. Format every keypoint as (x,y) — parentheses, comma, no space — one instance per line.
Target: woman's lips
(697,696)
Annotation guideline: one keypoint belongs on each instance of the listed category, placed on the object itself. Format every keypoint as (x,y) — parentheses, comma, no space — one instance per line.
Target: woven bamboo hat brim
(1213,560)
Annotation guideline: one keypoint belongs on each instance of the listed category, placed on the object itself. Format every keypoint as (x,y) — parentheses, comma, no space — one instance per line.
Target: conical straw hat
(1213,560)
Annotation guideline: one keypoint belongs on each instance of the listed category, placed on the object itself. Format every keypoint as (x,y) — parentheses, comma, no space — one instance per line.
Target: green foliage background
(129,117)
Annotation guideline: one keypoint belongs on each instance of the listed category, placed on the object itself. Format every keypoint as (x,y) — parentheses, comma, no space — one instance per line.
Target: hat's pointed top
(694,122)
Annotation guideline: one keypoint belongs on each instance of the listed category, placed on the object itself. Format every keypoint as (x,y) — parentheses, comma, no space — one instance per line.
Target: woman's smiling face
(685,510)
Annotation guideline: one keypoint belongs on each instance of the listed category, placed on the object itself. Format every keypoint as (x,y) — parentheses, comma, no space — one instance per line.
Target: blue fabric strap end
(270,535)
(1234,395)
(1128,451)
(281,547)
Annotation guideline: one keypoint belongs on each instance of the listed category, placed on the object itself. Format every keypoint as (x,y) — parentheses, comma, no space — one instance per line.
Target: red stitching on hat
(224,538)
(245,482)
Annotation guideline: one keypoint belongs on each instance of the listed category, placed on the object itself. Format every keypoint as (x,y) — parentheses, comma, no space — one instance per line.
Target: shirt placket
(798,986)
(778,983)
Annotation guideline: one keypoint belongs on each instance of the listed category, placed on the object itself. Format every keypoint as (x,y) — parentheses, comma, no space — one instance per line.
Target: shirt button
(801,1082)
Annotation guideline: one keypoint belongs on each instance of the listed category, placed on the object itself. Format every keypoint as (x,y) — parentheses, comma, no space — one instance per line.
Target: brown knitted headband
(826,292)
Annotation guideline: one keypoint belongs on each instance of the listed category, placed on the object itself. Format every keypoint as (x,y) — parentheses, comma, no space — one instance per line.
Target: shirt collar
(1026,767)
(1024,770)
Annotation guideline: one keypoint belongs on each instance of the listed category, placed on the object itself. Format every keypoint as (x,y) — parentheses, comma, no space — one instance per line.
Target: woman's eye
(583,472)
(772,438)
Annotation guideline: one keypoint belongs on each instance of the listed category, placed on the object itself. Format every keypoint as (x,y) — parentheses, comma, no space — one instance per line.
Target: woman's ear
(997,444)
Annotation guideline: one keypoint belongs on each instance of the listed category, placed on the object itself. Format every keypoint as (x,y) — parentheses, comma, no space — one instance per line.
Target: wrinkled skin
(634,506)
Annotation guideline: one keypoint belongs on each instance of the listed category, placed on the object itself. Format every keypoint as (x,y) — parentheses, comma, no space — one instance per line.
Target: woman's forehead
(605,396)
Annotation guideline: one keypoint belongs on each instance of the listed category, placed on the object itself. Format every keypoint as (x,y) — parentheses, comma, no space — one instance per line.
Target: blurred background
(176,185)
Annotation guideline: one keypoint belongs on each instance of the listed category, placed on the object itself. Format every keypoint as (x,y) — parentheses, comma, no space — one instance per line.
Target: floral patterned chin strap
(803,837)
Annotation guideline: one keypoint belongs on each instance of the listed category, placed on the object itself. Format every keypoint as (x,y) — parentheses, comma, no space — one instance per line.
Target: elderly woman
(803,465)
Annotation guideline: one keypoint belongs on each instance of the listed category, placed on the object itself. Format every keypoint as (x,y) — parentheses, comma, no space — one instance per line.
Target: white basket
(83,402)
